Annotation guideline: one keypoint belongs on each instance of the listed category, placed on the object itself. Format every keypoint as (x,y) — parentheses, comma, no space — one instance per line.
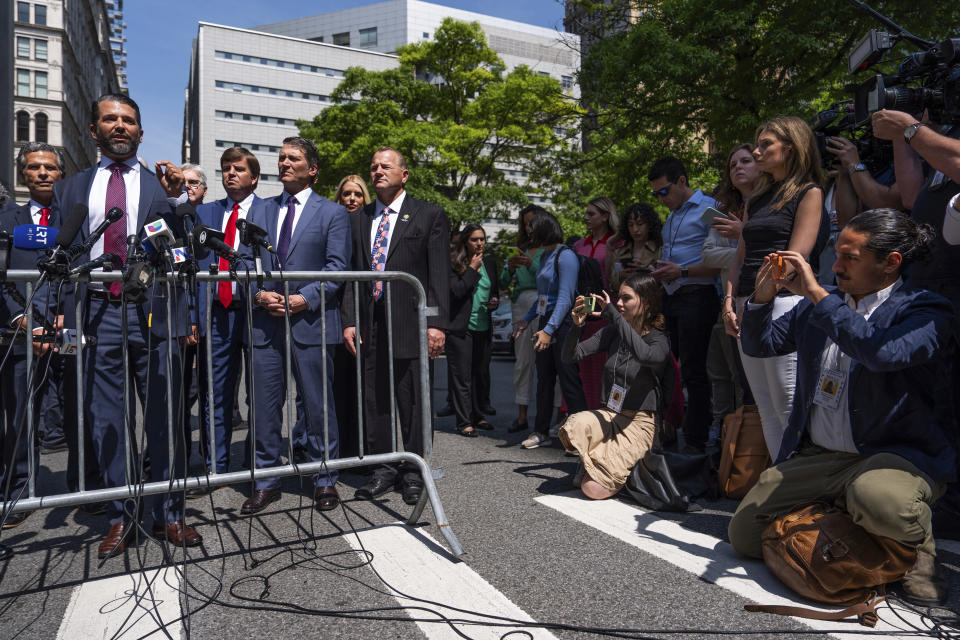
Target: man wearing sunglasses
(690,302)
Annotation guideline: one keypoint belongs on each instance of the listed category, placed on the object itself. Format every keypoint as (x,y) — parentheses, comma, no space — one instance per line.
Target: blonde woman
(352,193)
(785,211)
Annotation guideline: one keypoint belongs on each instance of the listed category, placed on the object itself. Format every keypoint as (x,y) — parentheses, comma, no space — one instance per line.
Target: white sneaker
(535,440)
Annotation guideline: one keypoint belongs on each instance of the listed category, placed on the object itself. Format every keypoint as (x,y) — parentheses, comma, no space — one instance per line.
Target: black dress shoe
(488,411)
(259,501)
(5,552)
(411,490)
(445,411)
(93,508)
(202,490)
(326,498)
(376,487)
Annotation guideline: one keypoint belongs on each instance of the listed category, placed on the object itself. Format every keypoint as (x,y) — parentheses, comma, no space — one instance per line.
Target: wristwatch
(684,272)
(857,167)
(911,131)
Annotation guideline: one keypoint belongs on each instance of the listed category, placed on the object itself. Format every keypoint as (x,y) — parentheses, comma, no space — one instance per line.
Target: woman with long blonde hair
(784,211)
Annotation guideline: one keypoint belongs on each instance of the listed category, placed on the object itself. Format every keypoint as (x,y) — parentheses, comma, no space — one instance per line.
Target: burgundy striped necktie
(115,237)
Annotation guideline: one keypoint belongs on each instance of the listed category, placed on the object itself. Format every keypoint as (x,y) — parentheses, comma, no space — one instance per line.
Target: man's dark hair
(401,161)
(670,168)
(308,148)
(545,229)
(238,153)
(889,230)
(33,147)
(113,97)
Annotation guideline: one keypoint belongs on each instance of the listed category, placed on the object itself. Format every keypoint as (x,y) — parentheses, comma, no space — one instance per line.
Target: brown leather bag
(819,552)
(743,453)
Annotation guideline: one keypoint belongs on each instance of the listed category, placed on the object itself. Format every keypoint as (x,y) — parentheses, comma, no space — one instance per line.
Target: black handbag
(651,482)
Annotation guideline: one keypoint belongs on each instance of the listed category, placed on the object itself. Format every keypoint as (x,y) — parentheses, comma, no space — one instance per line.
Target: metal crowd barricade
(136,489)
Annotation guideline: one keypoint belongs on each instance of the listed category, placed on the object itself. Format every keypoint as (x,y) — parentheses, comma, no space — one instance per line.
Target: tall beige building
(62,62)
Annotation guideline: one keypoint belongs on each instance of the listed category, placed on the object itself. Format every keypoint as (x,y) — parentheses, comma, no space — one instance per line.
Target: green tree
(459,118)
(694,77)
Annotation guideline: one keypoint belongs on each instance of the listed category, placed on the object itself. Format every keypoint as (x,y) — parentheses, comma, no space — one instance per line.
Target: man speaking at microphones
(119,181)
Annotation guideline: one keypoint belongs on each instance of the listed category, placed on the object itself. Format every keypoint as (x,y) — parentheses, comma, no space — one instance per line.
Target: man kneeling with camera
(872,427)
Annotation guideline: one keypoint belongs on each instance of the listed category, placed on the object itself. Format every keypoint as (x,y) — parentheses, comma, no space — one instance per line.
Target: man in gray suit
(310,233)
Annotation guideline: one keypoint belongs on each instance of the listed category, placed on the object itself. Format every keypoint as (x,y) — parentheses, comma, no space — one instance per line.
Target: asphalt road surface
(539,561)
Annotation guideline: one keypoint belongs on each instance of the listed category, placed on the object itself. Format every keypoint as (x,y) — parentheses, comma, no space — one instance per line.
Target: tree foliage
(456,114)
(694,77)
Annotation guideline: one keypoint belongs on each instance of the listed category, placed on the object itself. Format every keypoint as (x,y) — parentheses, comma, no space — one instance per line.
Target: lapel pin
(405,217)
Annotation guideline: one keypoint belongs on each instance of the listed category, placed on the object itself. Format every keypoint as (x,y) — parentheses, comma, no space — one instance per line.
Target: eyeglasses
(194,183)
(659,193)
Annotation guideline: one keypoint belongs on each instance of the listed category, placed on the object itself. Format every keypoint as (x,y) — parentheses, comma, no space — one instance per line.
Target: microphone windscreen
(34,236)
(186,210)
(71,226)
(114,214)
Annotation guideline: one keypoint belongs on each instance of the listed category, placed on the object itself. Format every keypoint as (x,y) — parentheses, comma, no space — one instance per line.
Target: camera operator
(856,188)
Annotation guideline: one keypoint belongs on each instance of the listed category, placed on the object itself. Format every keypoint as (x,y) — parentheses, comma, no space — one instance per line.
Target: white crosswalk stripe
(712,559)
(414,564)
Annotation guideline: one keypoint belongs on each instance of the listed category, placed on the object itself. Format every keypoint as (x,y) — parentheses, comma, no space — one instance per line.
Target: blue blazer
(153,201)
(43,299)
(899,392)
(320,242)
(212,214)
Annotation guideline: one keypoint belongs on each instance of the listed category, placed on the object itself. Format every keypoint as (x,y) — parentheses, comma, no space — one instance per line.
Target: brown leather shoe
(178,534)
(326,498)
(259,501)
(116,541)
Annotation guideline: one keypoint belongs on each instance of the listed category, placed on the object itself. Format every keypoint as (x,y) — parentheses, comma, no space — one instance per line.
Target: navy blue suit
(228,330)
(320,242)
(147,347)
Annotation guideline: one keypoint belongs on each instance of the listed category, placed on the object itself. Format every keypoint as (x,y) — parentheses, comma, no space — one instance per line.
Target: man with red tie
(240,174)
(39,165)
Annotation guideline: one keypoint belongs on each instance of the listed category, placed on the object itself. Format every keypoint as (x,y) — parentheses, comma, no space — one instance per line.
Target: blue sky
(159,35)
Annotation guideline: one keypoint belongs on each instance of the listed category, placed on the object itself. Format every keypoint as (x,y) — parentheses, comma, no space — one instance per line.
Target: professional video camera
(928,79)
(840,119)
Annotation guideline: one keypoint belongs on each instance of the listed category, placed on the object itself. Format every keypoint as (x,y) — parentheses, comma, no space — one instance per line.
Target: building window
(543,73)
(567,82)
(426,35)
(342,39)
(40,84)
(23,47)
(40,14)
(23,126)
(40,123)
(368,37)
(23,12)
(317,39)
(40,49)
(23,83)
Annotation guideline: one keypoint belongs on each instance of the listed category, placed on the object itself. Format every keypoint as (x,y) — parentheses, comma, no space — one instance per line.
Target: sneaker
(578,475)
(535,440)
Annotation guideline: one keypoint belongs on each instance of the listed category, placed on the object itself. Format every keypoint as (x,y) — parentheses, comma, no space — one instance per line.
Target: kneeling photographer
(871,428)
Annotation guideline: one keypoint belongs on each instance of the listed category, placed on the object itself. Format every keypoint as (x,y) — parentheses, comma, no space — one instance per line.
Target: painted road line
(127,606)
(712,559)
(414,564)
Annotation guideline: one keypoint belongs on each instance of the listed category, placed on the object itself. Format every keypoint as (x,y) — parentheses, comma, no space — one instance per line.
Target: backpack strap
(866,611)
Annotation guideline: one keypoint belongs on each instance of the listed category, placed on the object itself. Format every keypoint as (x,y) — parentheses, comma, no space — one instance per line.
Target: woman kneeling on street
(612,439)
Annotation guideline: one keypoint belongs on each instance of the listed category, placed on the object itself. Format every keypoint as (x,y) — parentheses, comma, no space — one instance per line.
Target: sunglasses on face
(659,193)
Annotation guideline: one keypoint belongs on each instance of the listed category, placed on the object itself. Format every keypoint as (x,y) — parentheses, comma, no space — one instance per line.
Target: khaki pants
(884,493)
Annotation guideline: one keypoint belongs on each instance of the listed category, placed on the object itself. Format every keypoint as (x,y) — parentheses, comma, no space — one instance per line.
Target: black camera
(927,79)
(840,119)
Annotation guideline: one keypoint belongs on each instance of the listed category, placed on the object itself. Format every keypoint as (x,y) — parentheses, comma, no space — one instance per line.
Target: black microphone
(57,263)
(114,214)
(71,226)
(252,235)
(96,263)
(207,237)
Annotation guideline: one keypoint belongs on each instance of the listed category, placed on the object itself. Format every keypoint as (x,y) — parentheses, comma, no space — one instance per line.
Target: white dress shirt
(297,211)
(241,215)
(831,428)
(394,207)
(35,210)
(98,197)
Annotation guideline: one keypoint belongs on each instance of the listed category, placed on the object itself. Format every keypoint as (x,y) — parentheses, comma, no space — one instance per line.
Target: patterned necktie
(44,217)
(378,254)
(115,237)
(286,230)
(225,289)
